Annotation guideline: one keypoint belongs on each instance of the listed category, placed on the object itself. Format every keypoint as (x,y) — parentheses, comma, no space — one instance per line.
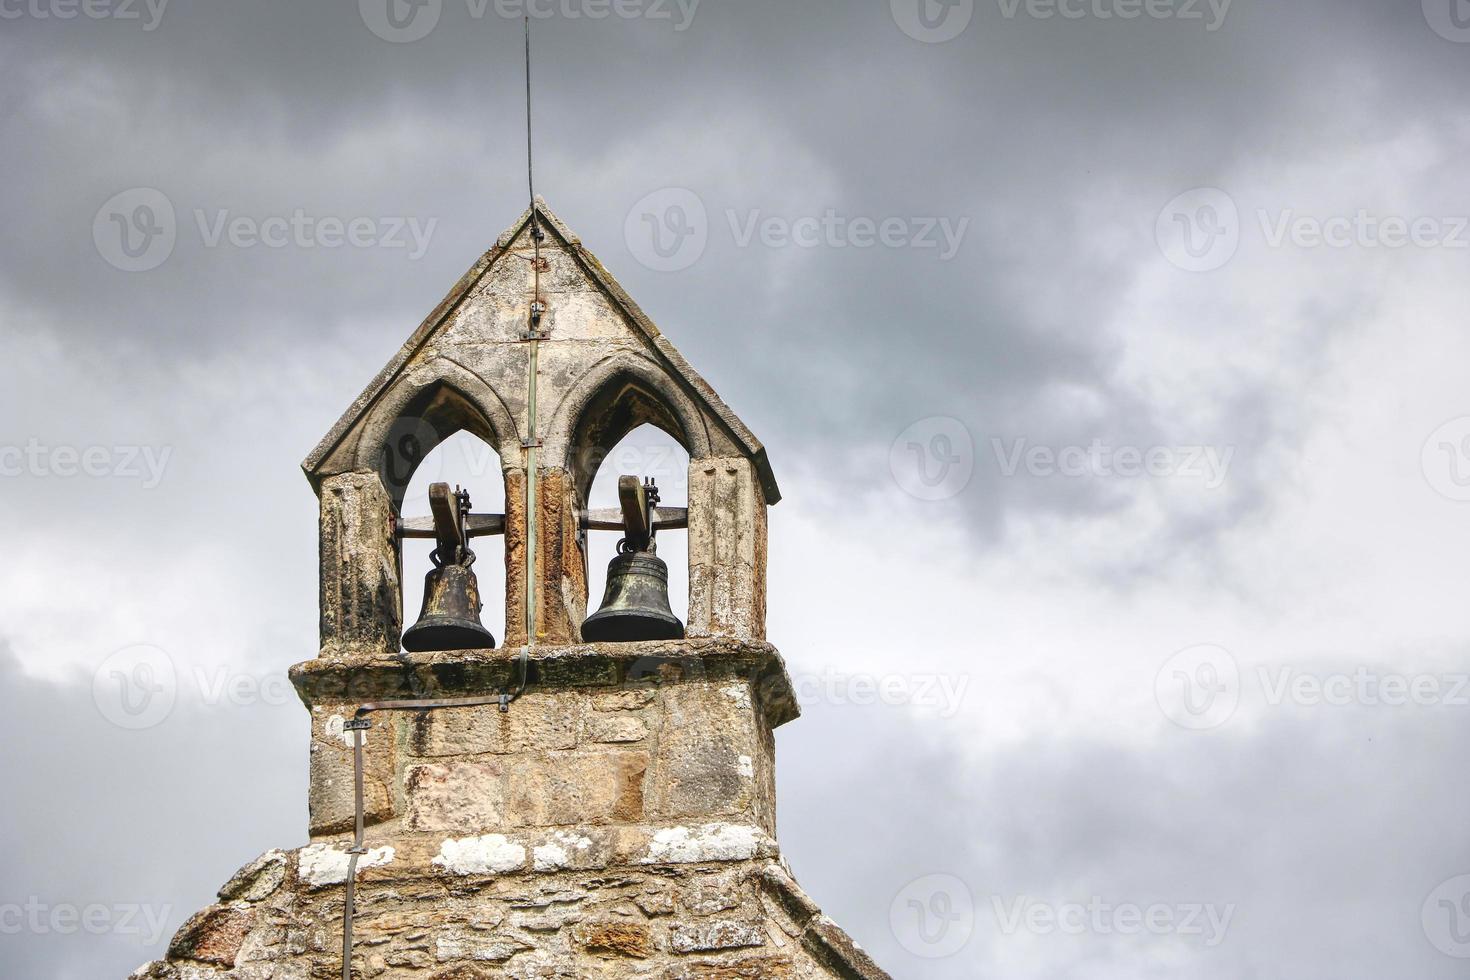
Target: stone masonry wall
(661,738)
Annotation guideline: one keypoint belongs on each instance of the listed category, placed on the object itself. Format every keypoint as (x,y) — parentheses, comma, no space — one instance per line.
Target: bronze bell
(636,603)
(450,619)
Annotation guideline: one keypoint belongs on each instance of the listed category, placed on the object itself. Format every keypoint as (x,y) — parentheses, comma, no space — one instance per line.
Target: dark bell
(636,603)
(450,619)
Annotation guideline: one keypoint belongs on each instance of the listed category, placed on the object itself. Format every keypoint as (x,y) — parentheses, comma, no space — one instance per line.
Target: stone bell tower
(551,808)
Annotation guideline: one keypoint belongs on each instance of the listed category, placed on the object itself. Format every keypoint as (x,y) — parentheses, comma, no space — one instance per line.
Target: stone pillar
(727,550)
(562,566)
(515,559)
(361,602)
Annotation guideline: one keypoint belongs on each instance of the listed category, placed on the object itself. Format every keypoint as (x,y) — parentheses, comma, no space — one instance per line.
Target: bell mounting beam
(475,526)
(611,519)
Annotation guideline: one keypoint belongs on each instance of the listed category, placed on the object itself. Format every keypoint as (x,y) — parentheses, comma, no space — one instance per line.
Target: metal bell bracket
(452,525)
(640,517)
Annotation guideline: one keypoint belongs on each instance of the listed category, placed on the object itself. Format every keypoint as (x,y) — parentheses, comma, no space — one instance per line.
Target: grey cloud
(1312,827)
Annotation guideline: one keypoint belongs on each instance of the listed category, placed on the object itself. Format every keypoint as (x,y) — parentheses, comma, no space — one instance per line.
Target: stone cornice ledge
(474,673)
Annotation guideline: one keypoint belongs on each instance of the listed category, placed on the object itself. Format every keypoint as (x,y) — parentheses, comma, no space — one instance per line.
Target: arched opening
(427,421)
(461,460)
(647,452)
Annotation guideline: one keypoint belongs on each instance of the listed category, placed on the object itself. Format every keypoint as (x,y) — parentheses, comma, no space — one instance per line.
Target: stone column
(727,550)
(563,569)
(361,602)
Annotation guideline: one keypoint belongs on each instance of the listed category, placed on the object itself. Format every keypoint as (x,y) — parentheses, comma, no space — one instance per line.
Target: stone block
(213,935)
(622,700)
(620,728)
(697,767)
(577,788)
(330,797)
(616,937)
(536,722)
(464,797)
(705,937)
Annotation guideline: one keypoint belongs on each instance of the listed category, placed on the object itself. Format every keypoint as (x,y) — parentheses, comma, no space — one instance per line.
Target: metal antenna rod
(530,168)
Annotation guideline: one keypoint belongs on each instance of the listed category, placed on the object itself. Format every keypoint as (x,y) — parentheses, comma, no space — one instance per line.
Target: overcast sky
(1111,355)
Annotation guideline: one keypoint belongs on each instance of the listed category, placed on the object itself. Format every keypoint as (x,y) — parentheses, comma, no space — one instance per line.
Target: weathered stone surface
(322,865)
(706,896)
(702,937)
(257,880)
(330,798)
(486,854)
(463,797)
(467,944)
(540,721)
(578,788)
(615,937)
(697,766)
(565,851)
(621,728)
(622,700)
(213,935)
(360,595)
